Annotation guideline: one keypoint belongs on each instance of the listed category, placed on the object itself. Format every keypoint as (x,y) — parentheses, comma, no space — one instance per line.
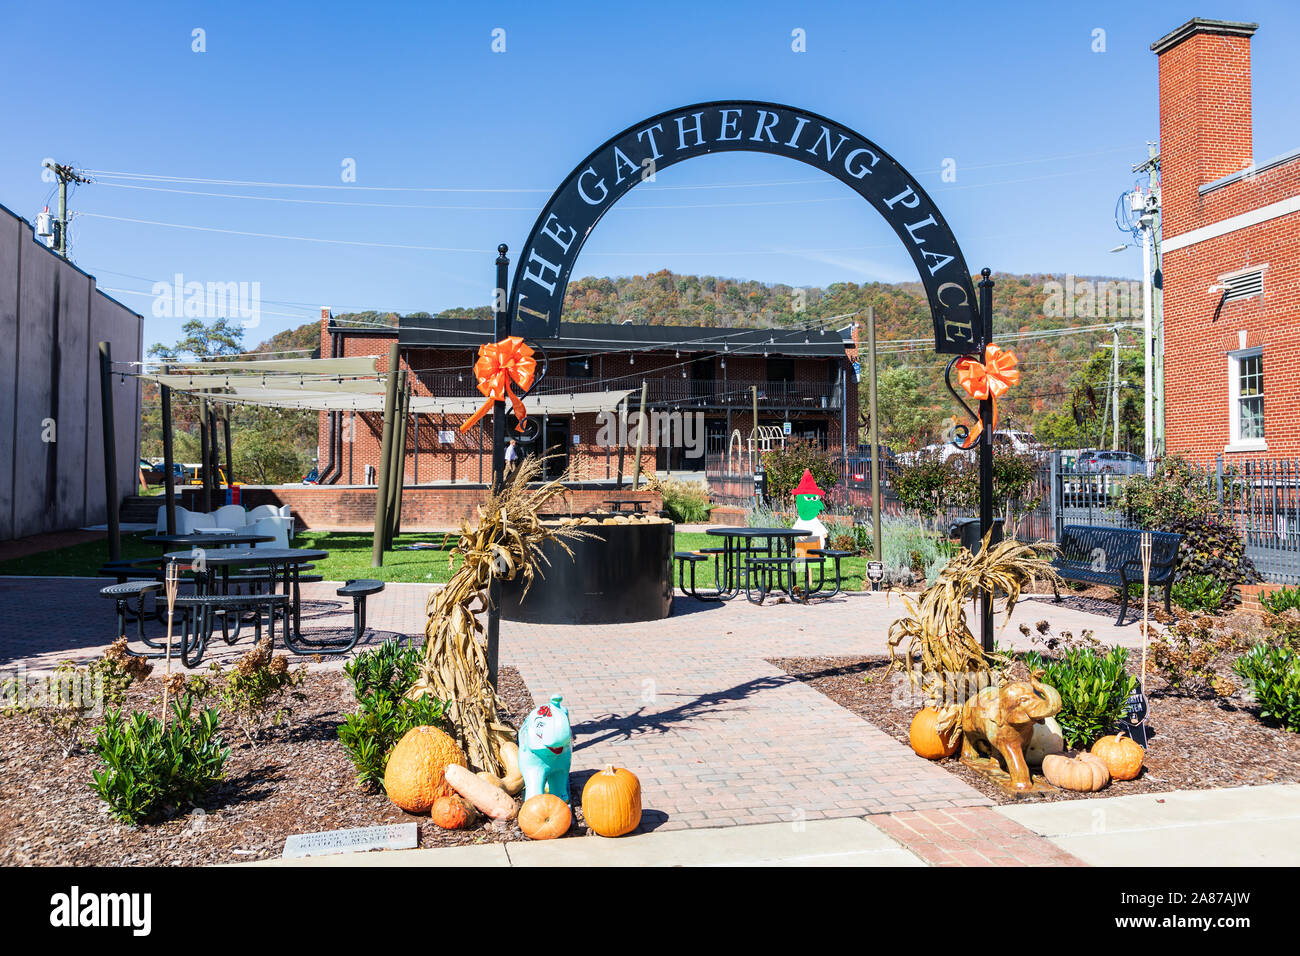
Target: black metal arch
(613,169)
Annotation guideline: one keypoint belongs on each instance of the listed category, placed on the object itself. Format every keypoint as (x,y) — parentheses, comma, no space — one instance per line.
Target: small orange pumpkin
(1123,756)
(611,801)
(927,741)
(1085,773)
(452,812)
(545,817)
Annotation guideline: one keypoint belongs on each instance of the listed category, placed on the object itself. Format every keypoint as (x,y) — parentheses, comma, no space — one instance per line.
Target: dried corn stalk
(934,643)
(505,543)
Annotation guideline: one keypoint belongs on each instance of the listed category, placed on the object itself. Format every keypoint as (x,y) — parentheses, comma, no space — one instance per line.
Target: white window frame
(1235,441)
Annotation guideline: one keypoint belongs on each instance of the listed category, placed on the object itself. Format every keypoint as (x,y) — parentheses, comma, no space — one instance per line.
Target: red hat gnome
(808,504)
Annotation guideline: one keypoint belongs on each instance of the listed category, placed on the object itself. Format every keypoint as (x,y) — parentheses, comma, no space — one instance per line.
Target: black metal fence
(1260,498)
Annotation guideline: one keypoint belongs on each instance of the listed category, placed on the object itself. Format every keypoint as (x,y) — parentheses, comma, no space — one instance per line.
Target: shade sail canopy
(353,365)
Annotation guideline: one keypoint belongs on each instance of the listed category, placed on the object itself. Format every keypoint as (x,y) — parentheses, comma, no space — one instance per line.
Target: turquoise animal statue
(546,750)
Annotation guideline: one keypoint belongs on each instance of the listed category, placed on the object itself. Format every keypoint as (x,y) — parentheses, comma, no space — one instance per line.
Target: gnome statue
(808,504)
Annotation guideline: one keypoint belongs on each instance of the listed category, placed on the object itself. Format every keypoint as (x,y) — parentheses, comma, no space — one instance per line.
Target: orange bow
(499,364)
(987,379)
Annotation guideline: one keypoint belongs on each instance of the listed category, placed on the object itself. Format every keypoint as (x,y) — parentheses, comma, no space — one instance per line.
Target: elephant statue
(1001,718)
(546,750)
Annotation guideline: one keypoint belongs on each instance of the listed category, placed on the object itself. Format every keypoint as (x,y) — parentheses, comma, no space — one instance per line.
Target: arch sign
(634,155)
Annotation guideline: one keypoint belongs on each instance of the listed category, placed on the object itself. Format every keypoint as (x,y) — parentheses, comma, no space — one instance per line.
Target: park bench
(200,614)
(358,590)
(1102,555)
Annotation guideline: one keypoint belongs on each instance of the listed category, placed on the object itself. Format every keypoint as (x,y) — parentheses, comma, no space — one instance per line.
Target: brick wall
(1205,134)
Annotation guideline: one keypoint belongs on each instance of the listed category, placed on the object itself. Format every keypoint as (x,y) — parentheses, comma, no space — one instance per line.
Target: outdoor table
(634,505)
(739,544)
(209,538)
(283,565)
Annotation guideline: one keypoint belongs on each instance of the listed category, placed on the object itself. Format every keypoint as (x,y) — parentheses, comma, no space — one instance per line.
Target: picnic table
(633,505)
(760,560)
(208,538)
(282,567)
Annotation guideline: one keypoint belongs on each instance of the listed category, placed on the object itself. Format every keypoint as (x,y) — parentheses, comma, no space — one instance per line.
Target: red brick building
(708,374)
(1230,256)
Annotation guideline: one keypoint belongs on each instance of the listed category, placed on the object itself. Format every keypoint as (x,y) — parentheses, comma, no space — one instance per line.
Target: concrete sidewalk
(842,842)
(1242,826)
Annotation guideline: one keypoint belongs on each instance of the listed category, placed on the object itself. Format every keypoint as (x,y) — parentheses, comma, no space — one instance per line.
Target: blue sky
(462,145)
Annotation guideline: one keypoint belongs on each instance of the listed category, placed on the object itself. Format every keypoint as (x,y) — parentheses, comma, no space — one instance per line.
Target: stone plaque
(398,836)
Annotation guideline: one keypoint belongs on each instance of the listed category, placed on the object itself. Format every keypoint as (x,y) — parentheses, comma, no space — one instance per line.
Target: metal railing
(666,389)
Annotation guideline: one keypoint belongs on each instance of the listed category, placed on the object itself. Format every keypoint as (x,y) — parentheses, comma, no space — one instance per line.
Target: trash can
(967,532)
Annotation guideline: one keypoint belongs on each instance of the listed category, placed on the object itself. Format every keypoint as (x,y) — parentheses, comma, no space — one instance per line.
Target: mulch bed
(297,780)
(1193,745)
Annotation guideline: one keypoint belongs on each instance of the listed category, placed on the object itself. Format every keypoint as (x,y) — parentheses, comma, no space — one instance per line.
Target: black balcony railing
(667,390)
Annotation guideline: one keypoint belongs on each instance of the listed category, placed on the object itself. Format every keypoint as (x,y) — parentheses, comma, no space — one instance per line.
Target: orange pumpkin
(545,817)
(414,775)
(1123,756)
(1085,773)
(927,741)
(611,801)
(452,812)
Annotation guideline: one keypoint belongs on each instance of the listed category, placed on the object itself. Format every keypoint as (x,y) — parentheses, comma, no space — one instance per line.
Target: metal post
(1054,489)
(986,454)
(875,433)
(169,455)
(1114,372)
(640,439)
(621,438)
(399,458)
(204,465)
(111,499)
(1148,360)
(501,309)
(385,453)
(225,430)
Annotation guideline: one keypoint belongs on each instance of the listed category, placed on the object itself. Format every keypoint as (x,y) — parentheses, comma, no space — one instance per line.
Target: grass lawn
(349,558)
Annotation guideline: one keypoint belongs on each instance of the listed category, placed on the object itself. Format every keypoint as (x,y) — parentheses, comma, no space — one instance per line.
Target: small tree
(785,466)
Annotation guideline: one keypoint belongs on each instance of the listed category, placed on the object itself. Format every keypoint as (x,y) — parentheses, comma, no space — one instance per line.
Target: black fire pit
(620,575)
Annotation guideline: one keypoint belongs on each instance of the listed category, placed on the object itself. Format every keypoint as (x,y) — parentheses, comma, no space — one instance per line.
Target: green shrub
(687,502)
(1274,677)
(924,481)
(1093,689)
(148,768)
(764,517)
(380,679)
(1200,592)
(1281,600)
(910,545)
(370,734)
(785,466)
(387,670)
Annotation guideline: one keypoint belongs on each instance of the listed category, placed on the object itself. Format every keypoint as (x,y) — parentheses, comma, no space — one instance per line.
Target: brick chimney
(1205,115)
(326,346)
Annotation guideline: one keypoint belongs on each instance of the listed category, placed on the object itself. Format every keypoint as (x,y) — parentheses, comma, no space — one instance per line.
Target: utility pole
(65,175)
(1114,390)
(1153,407)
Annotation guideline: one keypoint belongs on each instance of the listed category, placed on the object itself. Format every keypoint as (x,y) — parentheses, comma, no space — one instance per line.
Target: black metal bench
(690,559)
(200,614)
(358,590)
(123,593)
(1112,556)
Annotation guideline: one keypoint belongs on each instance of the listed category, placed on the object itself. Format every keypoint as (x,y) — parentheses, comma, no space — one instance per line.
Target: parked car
(1111,463)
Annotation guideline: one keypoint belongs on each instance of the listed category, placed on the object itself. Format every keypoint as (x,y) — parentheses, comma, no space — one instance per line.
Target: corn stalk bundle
(935,633)
(505,543)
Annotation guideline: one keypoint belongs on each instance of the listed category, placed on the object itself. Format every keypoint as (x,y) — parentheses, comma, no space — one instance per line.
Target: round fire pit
(620,575)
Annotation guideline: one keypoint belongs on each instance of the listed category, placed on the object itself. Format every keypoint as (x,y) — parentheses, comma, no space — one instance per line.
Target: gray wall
(52,319)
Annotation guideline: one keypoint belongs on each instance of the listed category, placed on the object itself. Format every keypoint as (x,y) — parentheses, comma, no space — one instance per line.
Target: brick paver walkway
(717,735)
(971,836)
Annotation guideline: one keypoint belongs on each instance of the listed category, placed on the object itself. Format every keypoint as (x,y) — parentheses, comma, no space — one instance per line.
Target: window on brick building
(1246,397)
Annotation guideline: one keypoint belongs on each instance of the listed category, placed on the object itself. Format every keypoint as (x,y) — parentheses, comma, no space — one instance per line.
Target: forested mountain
(1055,369)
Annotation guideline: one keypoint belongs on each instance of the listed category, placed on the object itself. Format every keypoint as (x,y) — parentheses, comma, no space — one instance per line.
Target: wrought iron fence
(1261,499)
